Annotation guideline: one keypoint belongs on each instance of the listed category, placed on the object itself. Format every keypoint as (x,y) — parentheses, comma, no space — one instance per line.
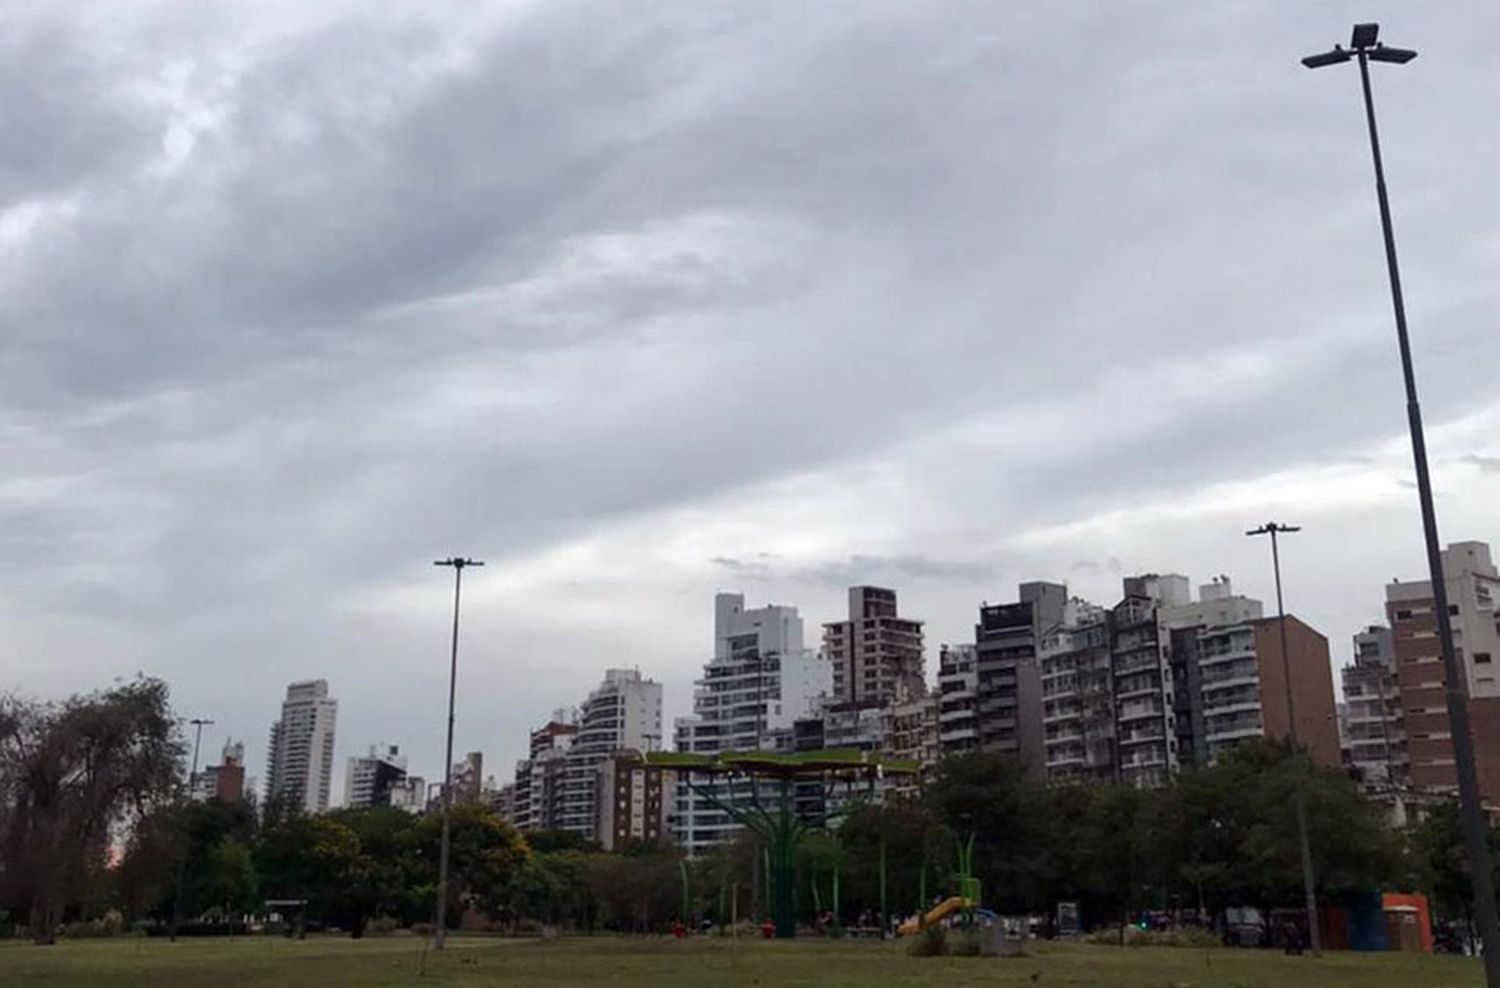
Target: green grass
(265,962)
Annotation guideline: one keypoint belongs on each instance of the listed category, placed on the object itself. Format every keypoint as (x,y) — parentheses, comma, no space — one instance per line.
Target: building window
(1481,658)
(1403,615)
(1453,609)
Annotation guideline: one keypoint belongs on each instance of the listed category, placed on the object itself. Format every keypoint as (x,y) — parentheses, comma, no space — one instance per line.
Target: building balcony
(1220,657)
(1248,678)
(1149,662)
(1376,720)
(1236,733)
(1140,713)
(1139,689)
(1223,709)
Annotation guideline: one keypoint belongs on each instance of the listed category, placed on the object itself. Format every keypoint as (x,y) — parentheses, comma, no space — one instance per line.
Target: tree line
(93,820)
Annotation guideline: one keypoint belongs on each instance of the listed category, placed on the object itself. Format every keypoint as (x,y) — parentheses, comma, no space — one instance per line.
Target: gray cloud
(295,299)
(1487,464)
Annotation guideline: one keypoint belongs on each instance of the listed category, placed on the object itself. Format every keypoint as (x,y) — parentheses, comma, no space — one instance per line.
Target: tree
(1236,838)
(912,842)
(990,797)
(385,873)
(640,891)
(552,841)
(1120,856)
(71,773)
(230,882)
(189,838)
(485,854)
(316,858)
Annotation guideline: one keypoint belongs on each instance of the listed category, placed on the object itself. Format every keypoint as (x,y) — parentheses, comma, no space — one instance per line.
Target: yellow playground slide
(934,915)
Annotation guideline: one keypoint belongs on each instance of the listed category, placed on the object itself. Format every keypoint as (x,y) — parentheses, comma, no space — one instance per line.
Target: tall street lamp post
(1365,48)
(440,931)
(198,725)
(1304,846)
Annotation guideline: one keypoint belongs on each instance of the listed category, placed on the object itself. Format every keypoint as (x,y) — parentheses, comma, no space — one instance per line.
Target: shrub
(382,926)
(1184,936)
(1193,936)
(111,924)
(964,944)
(421,929)
(931,942)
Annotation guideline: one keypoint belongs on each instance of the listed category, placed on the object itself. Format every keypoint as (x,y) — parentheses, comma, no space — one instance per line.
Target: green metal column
(838,916)
(922,889)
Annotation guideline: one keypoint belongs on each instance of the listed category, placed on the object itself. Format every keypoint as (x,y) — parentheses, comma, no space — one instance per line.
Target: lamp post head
(1364,42)
(1396,56)
(1326,58)
(458,562)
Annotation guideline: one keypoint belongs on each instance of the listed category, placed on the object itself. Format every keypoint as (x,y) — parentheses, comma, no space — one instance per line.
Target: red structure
(1408,923)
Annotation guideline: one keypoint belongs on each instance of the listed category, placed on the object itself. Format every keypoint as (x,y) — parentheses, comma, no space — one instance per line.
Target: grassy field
(480,963)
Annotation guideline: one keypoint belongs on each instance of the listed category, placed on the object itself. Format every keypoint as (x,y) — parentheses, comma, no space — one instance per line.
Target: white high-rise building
(369,778)
(624,713)
(299,765)
(758,683)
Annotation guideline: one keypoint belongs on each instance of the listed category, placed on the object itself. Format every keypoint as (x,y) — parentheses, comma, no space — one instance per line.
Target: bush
(1195,937)
(1184,936)
(421,929)
(931,942)
(382,926)
(111,924)
(964,944)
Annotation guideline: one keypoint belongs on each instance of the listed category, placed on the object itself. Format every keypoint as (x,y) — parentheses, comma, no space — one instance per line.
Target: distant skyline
(643,302)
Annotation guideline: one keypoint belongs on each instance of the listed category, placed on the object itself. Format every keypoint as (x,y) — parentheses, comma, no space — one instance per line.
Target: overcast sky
(642,301)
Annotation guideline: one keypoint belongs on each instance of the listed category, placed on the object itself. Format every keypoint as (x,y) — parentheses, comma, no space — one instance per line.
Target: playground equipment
(936,914)
(967,898)
(774,820)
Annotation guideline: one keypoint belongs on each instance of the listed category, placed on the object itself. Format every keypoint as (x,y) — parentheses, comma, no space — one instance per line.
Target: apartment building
(1008,684)
(876,655)
(624,712)
(538,777)
(759,682)
(1374,731)
(224,781)
(1140,677)
(1078,716)
(1473,588)
(958,684)
(467,778)
(634,801)
(369,778)
(299,763)
(409,794)
(913,734)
